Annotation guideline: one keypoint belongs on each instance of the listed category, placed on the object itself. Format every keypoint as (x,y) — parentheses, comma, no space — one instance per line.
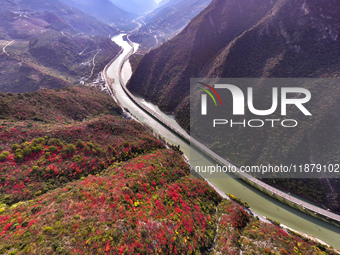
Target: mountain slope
(76,177)
(75,18)
(175,62)
(45,45)
(64,105)
(213,44)
(284,38)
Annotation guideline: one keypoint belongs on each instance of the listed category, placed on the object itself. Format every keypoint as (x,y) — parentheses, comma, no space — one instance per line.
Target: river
(259,202)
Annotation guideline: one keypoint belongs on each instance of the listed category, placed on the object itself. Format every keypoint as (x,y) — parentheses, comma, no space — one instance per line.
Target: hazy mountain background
(103,10)
(259,38)
(166,21)
(136,6)
(75,18)
(162,2)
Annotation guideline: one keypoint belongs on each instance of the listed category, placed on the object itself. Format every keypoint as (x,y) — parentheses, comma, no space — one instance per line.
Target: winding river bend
(259,202)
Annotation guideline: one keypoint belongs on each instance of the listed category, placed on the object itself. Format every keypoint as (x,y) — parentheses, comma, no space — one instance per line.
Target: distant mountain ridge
(77,19)
(166,21)
(136,6)
(163,2)
(103,10)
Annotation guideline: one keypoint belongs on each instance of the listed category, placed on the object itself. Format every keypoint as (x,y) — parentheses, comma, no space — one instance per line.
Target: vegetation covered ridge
(92,182)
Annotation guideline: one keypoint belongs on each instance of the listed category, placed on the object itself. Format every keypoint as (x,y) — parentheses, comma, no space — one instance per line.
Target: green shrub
(38,148)
(4,155)
(69,149)
(36,209)
(26,152)
(80,144)
(78,158)
(25,224)
(47,229)
(18,155)
(53,149)
(54,141)
(238,200)
(24,145)
(15,147)
(39,140)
